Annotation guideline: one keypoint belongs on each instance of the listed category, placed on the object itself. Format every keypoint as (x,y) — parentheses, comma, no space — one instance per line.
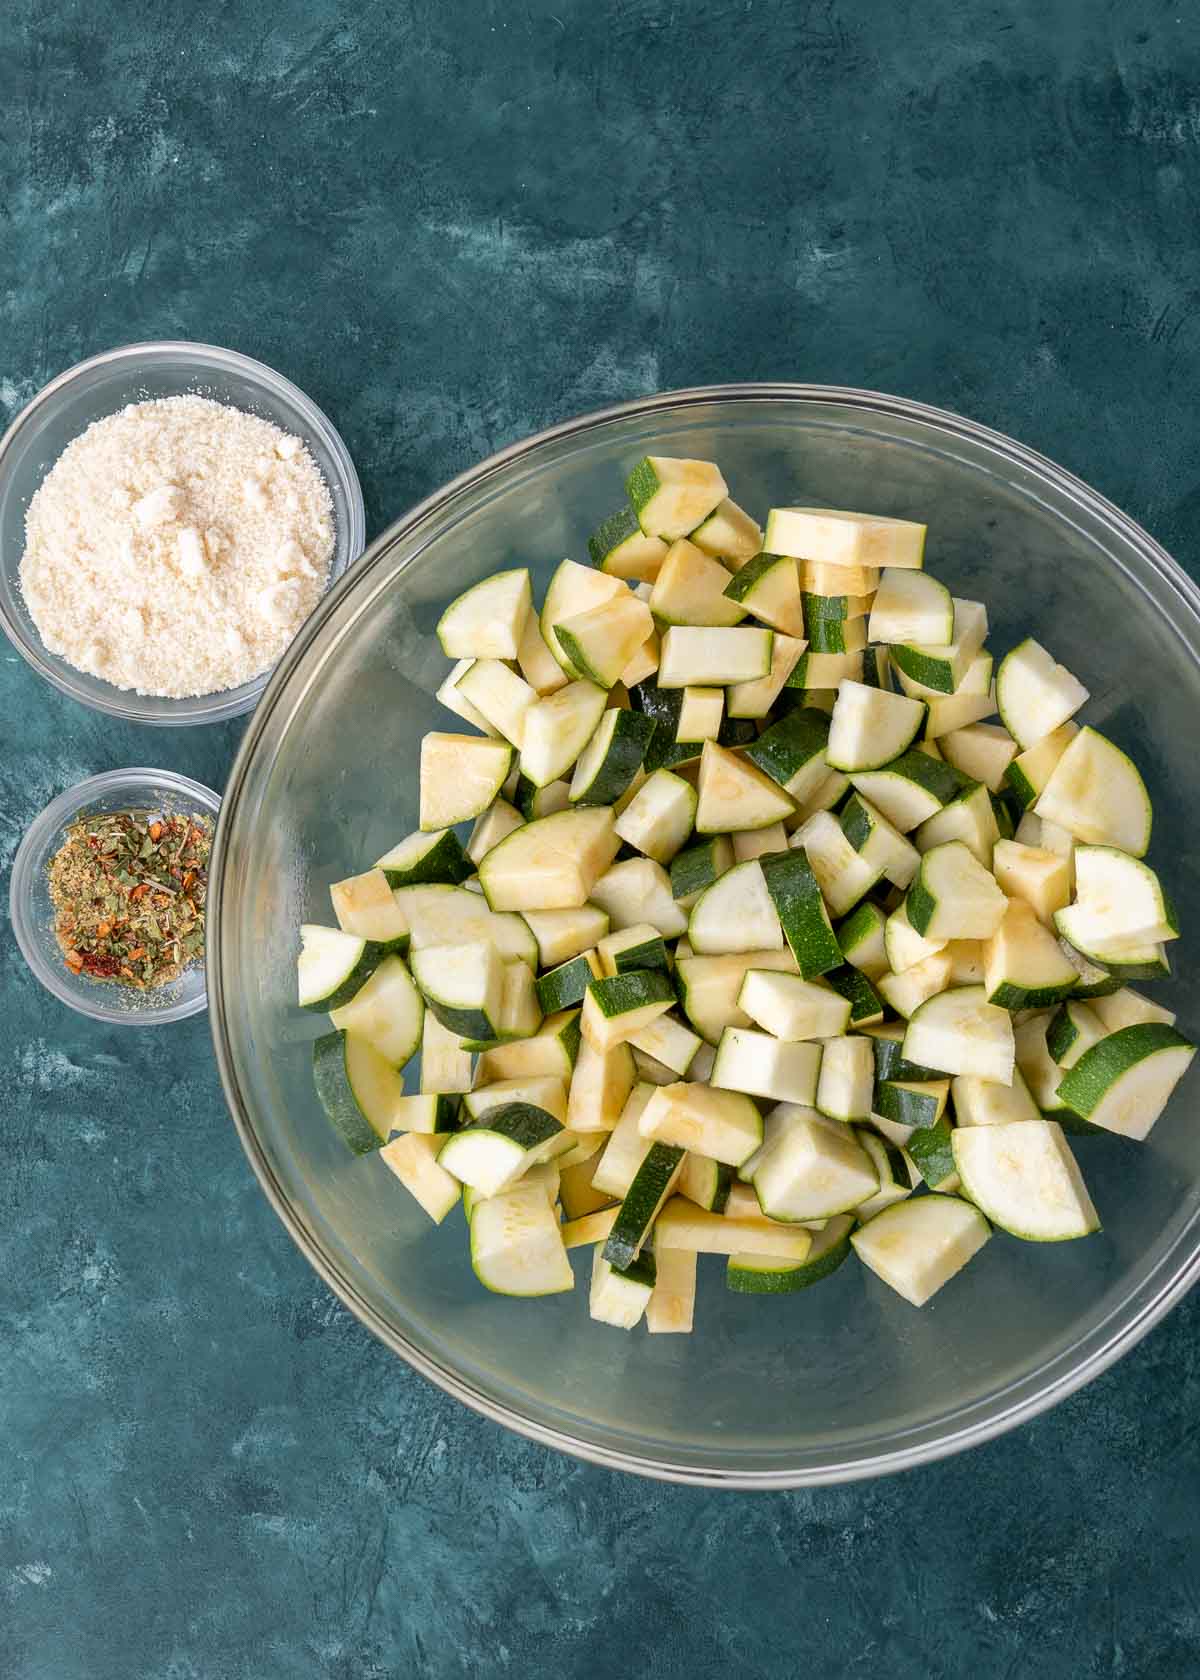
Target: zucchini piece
(953,896)
(599,643)
(539,667)
(753,843)
(819,579)
(837,635)
(769,587)
(870,727)
(755,697)
(692,654)
(824,671)
(896,1183)
(460,777)
(735,794)
(635,947)
(670,1043)
(621,1298)
(729,534)
(358,1088)
(861,940)
(910,1104)
(1072,1030)
(413,1158)
(792,1008)
(846,1083)
(642,666)
(498,694)
(659,817)
(542,1090)
(705,1182)
(700,714)
(792,752)
(464,986)
(866,1005)
(959,1031)
(552,863)
(533,801)
(562,934)
(487,620)
(699,866)
(931,1149)
(516,1243)
(794,891)
(600,1087)
(877,669)
(333,966)
(590,1229)
(552,1050)
(911,607)
(966,962)
(620,547)
(982,751)
(1037,1067)
(445,915)
(446,1068)
(1123,961)
(1121,900)
(612,757)
(973,699)
(969,818)
(496,823)
(831,537)
(1123,1083)
(638,891)
(811,1168)
(690,589)
(680,1225)
(672,1304)
(878,841)
(1128,1008)
(837,606)
(453,701)
(568,983)
(760,1065)
(983,1102)
(887,1043)
(1034,694)
(844,875)
(626,1148)
(1024,1178)
(579,1196)
(906,992)
(365,909)
(1030,770)
(709,987)
(1038,878)
(725,1125)
(653,1182)
(903,946)
(424,858)
(493,1152)
(913,788)
(622,1004)
(432,1114)
(387,1011)
(1096,793)
(944,667)
(673,496)
(735,914)
(573,590)
(1023,963)
(765,1274)
(918,1245)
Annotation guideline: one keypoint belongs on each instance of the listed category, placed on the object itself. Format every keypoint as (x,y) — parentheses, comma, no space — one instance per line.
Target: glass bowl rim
(221,705)
(51,820)
(1000,1410)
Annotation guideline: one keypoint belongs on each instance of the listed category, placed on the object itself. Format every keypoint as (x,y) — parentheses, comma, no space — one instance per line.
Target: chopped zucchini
(736,913)
(959,1031)
(1024,1178)
(673,496)
(460,777)
(639,891)
(552,863)
(1034,694)
(413,1158)
(620,547)
(918,1245)
(944,667)
(660,816)
(691,589)
(953,896)
(487,620)
(693,654)
(729,534)
(723,1124)
(831,537)
(1097,794)
(386,1011)
(767,586)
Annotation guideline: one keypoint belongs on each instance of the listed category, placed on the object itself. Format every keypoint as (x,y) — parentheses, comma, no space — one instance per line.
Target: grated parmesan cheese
(176,547)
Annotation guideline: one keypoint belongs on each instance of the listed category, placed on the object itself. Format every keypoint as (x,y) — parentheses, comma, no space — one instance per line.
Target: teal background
(453,223)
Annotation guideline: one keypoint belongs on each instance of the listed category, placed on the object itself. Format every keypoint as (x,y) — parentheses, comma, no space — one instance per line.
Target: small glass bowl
(102,386)
(33,914)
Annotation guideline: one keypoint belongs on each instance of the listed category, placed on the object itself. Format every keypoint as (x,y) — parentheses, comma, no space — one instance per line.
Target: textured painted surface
(452,223)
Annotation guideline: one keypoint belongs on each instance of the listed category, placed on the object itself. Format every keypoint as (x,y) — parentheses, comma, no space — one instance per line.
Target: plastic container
(101,386)
(845,1379)
(32,913)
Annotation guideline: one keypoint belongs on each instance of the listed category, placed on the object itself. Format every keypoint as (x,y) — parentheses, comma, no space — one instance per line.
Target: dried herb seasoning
(129,888)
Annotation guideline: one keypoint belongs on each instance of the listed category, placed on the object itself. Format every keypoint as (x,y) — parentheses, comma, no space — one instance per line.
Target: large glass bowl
(840,1381)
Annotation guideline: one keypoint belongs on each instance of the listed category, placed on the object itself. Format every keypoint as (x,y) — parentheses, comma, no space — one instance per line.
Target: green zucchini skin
(802,914)
(635,1218)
